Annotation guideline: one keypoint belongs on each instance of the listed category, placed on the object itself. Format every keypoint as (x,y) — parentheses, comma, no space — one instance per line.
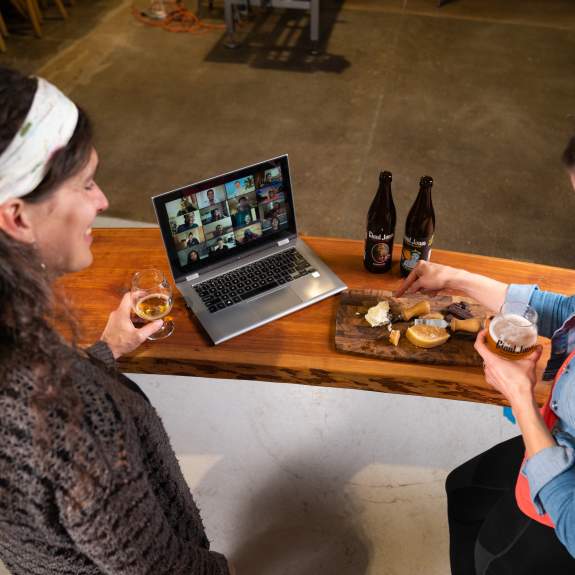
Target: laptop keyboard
(253,279)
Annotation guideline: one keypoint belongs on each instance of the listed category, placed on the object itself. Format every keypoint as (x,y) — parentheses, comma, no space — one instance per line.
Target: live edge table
(298,348)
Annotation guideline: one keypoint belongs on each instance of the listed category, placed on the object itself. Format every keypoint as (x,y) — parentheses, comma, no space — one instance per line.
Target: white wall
(296,480)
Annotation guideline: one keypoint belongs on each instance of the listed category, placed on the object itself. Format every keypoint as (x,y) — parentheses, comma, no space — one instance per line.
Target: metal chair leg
(230,41)
(314,20)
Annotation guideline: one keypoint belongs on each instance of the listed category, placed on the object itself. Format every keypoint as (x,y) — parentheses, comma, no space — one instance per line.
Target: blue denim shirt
(551,472)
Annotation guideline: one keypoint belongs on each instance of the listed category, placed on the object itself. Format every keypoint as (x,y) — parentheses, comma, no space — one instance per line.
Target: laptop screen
(226,216)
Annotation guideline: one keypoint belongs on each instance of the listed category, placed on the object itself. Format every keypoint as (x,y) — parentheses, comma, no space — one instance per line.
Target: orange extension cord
(178,19)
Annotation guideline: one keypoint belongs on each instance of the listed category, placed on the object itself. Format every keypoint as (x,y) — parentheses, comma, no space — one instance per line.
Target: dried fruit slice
(432,315)
(426,336)
(394,336)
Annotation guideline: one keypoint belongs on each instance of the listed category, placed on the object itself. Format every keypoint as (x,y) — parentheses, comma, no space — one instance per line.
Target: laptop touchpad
(276,302)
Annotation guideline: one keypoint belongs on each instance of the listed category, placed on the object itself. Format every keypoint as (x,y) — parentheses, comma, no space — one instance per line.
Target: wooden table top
(298,348)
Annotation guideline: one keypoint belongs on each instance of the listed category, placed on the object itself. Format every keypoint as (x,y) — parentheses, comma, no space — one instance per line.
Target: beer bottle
(380,228)
(419,228)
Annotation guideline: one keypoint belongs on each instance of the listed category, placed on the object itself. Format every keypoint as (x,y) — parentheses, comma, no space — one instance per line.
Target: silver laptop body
(249,266)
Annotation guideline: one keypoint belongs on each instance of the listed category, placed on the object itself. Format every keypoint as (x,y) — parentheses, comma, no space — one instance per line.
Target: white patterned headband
(49,125)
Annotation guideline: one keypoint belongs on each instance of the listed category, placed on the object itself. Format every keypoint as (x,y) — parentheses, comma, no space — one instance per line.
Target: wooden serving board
(354,335)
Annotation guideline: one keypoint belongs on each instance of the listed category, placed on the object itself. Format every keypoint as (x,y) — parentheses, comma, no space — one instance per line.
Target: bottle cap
(426,181)
(385,175)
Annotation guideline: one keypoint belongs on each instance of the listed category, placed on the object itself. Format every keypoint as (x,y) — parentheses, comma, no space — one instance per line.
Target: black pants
(489,535)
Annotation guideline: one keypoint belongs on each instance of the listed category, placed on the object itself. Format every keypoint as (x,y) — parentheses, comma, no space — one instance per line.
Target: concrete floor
(478,94)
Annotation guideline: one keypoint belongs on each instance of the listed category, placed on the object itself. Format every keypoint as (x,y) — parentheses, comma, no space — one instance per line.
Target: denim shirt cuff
(543,467)
(520,293)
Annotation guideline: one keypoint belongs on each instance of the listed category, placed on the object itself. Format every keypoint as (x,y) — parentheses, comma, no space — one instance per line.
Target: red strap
(522,493)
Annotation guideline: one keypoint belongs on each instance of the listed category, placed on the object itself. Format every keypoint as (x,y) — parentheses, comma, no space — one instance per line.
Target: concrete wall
(296,480)
(300,480)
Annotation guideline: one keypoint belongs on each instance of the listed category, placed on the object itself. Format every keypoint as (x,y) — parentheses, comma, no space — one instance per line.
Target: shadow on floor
(299,534)
(279,40)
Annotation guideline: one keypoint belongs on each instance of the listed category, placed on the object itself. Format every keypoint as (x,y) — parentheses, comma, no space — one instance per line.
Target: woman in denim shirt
(489,533)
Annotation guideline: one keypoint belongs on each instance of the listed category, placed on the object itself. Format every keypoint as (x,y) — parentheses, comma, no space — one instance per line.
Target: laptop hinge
(192,277)
(283,242)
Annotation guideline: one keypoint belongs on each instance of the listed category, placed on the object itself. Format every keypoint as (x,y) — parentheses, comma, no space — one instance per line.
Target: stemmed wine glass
(152,299)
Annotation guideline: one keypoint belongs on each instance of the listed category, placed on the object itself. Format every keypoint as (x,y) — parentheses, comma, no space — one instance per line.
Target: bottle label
(413,251)
(379,237)
(378,249)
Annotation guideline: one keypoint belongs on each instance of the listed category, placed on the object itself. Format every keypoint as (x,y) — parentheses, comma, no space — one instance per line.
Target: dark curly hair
(28,309)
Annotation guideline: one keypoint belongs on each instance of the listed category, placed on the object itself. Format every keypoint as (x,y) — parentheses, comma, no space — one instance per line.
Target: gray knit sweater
(135,516)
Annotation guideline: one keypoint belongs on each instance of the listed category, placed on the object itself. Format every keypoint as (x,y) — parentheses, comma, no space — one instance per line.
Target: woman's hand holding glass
(120,333)
(513,379)
(152,299)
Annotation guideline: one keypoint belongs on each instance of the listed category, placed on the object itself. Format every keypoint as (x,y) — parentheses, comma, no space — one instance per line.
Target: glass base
(165,331)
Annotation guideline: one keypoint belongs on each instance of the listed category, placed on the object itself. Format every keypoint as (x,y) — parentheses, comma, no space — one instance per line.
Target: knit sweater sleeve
(107,501)
(124,531)
(101,351)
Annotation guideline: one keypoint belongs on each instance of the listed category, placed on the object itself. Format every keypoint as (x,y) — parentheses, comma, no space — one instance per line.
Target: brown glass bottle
(380,228)
(419,229)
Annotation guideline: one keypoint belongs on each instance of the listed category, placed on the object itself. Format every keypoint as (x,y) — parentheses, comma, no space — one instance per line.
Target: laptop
(234,250)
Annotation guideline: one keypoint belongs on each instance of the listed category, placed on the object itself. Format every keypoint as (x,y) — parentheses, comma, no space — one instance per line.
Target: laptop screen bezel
(239,252)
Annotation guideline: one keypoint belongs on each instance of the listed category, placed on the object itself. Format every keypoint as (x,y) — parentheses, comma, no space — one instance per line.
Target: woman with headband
(89,484)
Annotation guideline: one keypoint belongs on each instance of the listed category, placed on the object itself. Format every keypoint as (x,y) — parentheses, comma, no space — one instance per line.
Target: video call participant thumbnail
(187,204)
(193,255)
(249,233)
(242,208)
(209,215)
(273,210)
(188,223)
(269,193)
(177,208)
(218,228)
(240,187)
(273,225)
(271,176)
(211,197)
(222,243)
(188,239)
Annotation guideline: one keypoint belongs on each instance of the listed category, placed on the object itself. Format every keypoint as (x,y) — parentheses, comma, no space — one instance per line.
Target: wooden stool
(30,9)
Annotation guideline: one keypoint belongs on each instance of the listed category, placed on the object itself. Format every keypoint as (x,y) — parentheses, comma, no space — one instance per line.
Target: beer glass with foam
(152,299)
(512,332)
